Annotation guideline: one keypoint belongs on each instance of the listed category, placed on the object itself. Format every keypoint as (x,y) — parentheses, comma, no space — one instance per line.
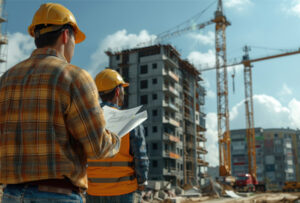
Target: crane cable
(268,48)
(194,18)
(233,76)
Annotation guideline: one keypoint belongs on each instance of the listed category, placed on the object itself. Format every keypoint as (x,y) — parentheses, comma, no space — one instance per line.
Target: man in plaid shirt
(50,120)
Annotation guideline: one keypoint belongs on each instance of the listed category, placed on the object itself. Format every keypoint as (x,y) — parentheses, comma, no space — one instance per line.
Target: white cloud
(285,91)
(116,42)
(236,111)
(291,7)
(240,5)
(294,116)
(238,69)
(268,113)
(202,60)
(212,139)
(210,94)
(208,39)
(19,48)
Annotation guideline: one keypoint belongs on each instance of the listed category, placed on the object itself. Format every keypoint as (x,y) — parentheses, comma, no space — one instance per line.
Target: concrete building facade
(277,152)
(170,89)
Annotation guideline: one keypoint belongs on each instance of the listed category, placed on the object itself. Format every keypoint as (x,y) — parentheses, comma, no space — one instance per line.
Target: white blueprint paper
(121,122)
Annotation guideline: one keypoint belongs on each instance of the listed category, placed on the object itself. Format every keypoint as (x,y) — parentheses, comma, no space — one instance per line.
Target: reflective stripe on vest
(109,164)
(111,180)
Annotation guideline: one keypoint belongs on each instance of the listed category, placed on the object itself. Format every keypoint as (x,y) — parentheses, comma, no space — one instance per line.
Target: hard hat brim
(125,84)
(79,36)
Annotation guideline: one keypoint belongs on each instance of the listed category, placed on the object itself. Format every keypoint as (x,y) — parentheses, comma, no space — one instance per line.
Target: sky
(269,27)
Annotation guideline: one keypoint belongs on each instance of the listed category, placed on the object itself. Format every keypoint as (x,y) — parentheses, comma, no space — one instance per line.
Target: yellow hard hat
(55,14)
(109,79)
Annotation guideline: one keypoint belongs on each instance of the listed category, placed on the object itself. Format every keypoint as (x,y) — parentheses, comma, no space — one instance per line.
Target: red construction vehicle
(248,183)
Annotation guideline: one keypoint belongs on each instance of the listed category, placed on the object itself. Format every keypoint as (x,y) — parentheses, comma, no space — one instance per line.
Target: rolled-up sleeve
(85,120)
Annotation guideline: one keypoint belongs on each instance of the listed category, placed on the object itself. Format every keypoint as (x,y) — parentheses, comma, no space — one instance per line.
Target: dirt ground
(252,198)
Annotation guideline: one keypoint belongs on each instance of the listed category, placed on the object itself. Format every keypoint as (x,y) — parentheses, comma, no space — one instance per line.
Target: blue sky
(268,27)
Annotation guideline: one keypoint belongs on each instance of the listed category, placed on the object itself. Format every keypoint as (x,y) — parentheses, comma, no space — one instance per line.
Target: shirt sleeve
(139,152)
(85,120)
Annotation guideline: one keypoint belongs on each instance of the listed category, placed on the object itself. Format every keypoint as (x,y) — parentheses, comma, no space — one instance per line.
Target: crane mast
(250,132)
(222,92)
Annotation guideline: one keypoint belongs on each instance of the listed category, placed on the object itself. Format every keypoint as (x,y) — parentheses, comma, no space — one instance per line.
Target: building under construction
(171,91)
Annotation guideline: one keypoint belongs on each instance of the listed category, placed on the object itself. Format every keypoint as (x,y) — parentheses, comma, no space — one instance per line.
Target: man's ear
(117,91)
(65,36)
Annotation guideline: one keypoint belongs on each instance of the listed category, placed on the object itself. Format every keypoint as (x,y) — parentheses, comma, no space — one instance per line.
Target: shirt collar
(109,104)
(47,52)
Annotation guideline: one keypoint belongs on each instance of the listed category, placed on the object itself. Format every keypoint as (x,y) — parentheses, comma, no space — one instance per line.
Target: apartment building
(277,151)
(170,89)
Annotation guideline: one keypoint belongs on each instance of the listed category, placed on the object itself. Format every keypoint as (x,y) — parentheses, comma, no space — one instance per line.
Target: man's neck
(109,103)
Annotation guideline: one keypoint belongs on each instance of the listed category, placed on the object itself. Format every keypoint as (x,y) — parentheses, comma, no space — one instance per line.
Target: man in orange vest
(116,179)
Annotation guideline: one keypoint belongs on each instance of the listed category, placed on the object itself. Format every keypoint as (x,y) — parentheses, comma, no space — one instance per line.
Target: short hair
(107,97)
(49,38)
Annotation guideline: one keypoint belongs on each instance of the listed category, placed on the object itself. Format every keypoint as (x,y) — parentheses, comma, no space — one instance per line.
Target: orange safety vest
(113,176)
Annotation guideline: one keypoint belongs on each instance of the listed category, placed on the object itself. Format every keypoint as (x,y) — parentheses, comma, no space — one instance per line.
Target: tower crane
(222,92)
(221,79)
(250,132)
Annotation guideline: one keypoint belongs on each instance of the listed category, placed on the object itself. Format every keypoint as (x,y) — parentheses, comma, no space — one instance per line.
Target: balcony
(201,100)
(187,116)
(190,145)
(171,90)
(188,100)
(2,20)
(201,150)
(178,102)
(171,121)
(170,171)
(201,162)
(189,158)
(3,40)
(171,138)
(190,130)
(172,155)
(200,90)
(2,59)
(201,138)
(202,121)
(203,175)
(200,128)
(186,87)
(170,106)
(171,61)
(189,173)
(171,75)
(197,107)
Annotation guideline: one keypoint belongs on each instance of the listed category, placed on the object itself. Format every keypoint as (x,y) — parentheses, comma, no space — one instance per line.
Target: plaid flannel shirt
(50,121)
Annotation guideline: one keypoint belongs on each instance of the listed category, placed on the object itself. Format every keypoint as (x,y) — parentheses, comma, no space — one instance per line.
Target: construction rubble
(162,191)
